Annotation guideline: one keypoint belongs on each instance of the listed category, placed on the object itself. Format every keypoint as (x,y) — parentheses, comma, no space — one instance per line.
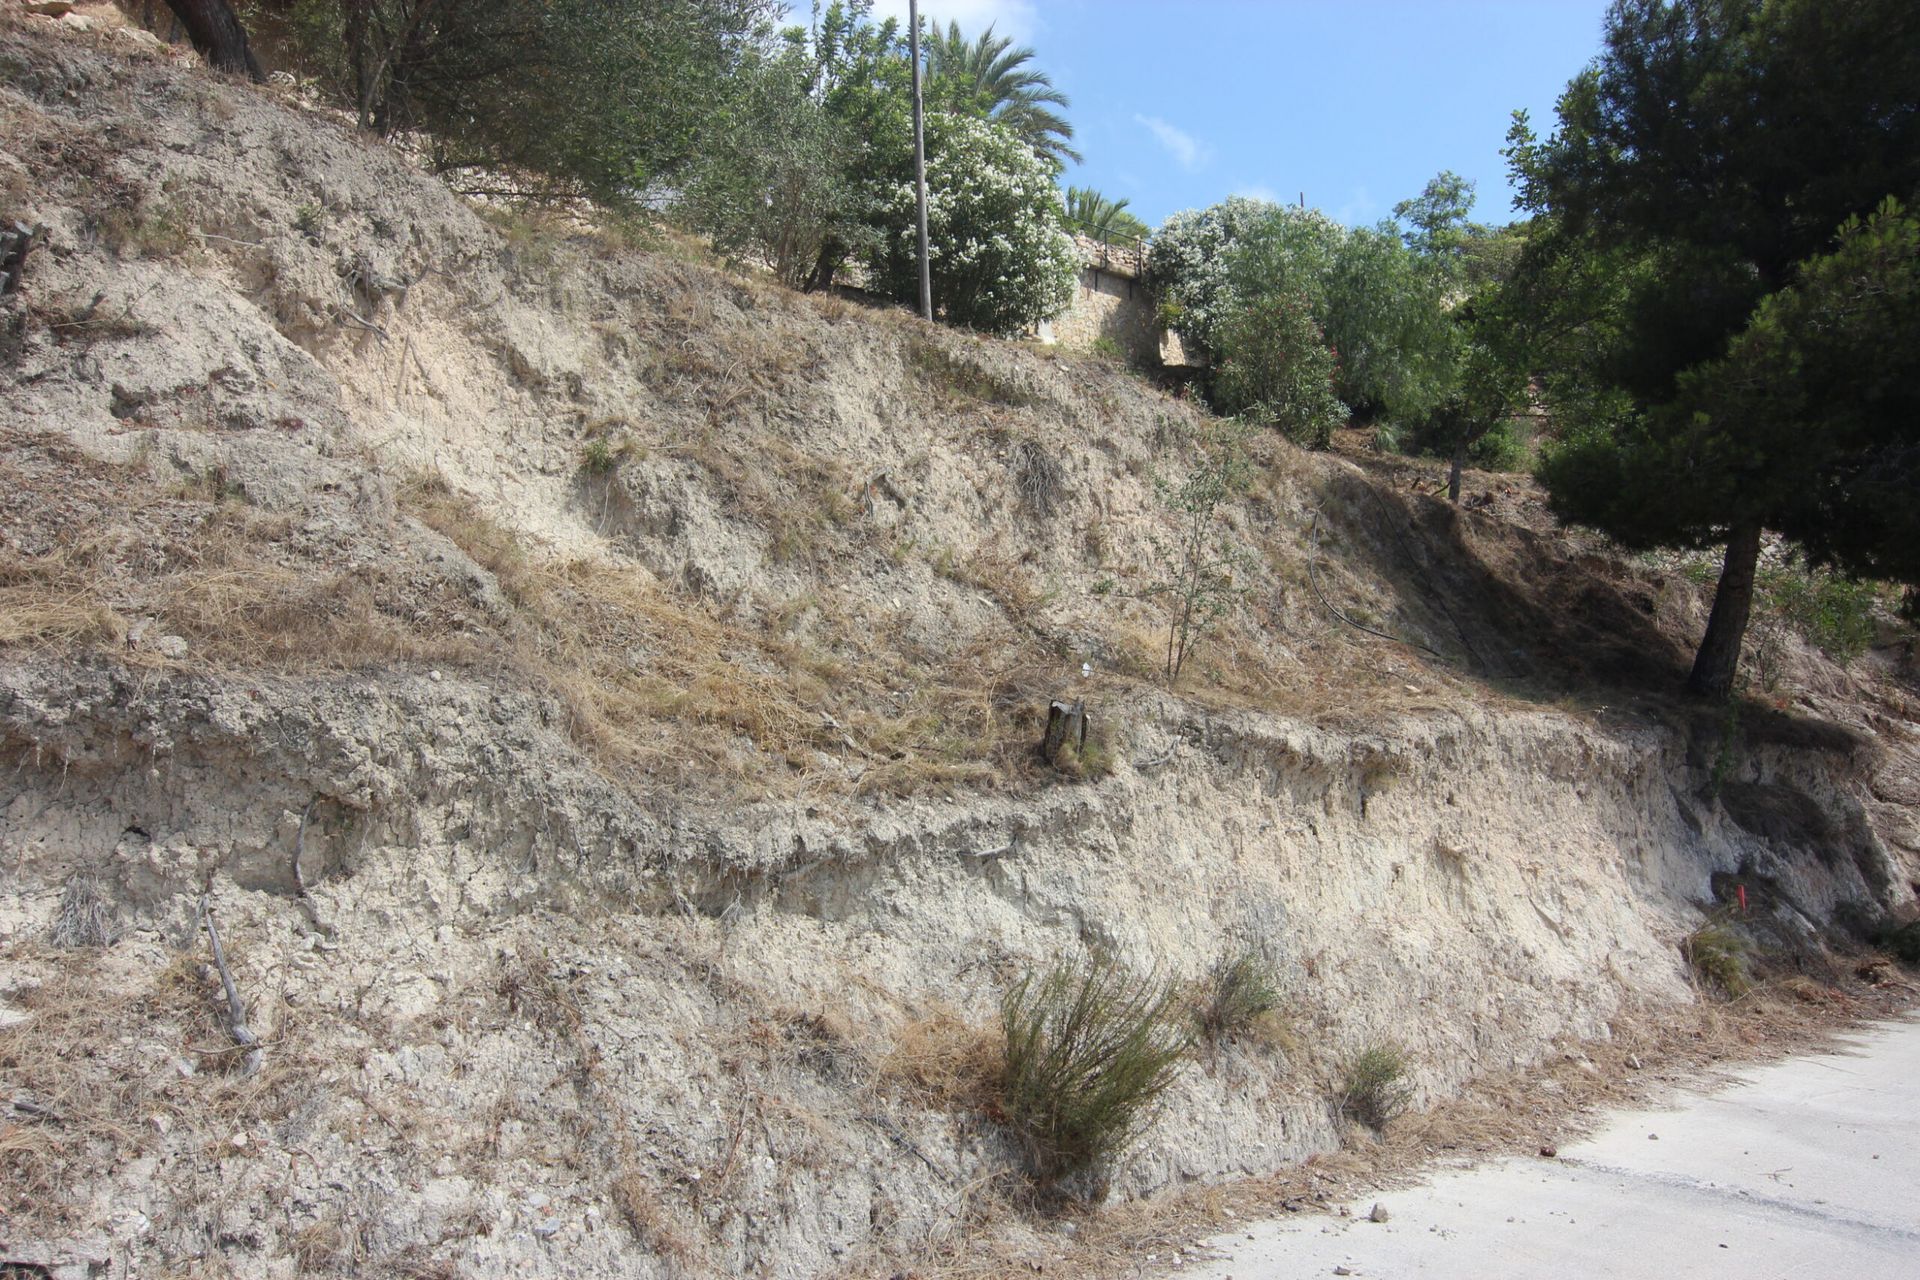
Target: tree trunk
(1718,661)
(1453,472)
(216,32)
(826,266)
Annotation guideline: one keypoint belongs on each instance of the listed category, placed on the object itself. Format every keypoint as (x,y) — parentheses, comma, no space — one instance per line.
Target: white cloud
(1186,149)
(1255,191)
(1016,18)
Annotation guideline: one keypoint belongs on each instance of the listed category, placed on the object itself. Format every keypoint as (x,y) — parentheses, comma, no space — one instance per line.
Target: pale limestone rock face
(534,1009)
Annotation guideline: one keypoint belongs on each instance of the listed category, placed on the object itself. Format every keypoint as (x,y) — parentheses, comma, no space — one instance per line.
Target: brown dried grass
(944,1062)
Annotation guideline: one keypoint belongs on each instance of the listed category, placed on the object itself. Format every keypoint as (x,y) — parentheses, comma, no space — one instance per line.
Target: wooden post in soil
(1066,726)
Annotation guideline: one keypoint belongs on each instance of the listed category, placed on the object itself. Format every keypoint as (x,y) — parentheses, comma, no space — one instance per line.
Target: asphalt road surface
(1806,1168)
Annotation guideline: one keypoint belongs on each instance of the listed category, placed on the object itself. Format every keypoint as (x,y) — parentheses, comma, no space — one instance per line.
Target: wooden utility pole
(919,159)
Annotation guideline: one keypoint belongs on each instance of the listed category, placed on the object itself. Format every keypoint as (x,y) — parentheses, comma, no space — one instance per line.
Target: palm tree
(1094,212)
(991,76)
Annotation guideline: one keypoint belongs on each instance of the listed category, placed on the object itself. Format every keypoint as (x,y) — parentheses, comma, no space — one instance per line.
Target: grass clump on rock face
(1718,957)
(1238,996)
(1089,1047)
(1374,1087)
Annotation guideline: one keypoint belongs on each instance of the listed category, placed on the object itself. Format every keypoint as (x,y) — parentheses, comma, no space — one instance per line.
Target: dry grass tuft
(68,1060)
(945,1062)
(84,919)
(1038,478)
(323,1246)
(652,1223)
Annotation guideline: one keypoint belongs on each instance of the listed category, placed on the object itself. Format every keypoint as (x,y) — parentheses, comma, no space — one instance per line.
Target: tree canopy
(1093,213)
(595,97)
(1689,204)
(989,76)
(1000,259)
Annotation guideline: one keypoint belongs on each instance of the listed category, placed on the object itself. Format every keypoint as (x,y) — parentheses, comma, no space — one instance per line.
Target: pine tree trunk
(216,32)
(1453,472)
(1718,661)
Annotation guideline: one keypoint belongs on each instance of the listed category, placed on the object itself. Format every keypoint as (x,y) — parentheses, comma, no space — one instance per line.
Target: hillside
(598,696)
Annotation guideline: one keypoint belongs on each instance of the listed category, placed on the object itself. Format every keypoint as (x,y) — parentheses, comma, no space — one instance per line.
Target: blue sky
(1356,104)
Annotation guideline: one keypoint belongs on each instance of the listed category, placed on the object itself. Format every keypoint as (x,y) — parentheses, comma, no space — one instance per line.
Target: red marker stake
(1740,891)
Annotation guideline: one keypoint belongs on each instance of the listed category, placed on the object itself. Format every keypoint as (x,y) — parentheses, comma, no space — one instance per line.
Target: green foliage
(308,219)
(1302,318)
(1438,229)
(1506,446)
(778,177)
(1718,957)
(1275,369)
(1189,265)
(1091,213)
(1904,941)
(599,457)
(1199,565)
(1374,1087)
(1001,261)
(1236,996)
(1719,363)
(1834,612)
(1089,1048)
(597,99)
(1385,316)
(990,78)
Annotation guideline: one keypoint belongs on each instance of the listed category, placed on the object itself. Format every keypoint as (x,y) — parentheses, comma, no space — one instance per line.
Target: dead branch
(255,1056)
(341,313)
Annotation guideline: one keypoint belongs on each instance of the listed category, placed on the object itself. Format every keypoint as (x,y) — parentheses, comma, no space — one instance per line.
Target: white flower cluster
(1001,260)
(1190,259)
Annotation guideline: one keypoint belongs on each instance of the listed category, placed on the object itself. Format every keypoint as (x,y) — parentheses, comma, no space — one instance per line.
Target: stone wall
(1111,302)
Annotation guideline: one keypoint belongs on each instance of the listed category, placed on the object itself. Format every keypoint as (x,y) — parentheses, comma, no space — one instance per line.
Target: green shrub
(1718,957)
(599,458)
(1275,368)
(1904,941)
(309,219)
(1834,613)
(1374,1087)
(1236,997)
(1505,447)
(1089,1048)
(1000,260)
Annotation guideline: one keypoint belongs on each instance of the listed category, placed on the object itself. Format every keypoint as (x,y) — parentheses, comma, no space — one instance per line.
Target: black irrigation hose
(1439,596)
(1313,535)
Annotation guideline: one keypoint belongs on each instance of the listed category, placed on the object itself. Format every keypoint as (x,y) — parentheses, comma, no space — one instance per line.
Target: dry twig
(255,1056)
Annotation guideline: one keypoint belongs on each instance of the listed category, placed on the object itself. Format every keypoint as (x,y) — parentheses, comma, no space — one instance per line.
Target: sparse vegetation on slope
(600,693)
(1090,1047)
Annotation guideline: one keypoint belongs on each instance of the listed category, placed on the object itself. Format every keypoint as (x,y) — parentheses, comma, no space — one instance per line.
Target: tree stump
(1066,726)
(16,242)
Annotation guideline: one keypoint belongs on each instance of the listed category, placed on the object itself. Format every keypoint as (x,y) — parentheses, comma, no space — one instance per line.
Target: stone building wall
(1110,301)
